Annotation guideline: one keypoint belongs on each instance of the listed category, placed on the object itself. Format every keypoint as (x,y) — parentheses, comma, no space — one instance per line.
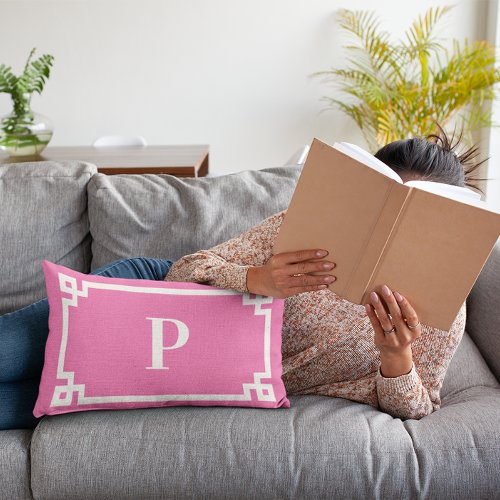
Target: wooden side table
(181,161)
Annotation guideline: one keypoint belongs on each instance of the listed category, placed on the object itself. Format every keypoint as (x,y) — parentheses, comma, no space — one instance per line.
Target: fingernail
(328,265)
(398,297)
(386,291)
(329,279)
(374,297)
(321,253)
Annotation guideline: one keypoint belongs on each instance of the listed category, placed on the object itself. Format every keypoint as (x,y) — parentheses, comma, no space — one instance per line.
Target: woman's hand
(288,273)
(396,326)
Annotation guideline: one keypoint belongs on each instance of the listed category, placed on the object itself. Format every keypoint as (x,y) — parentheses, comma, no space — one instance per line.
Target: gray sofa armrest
(483,312)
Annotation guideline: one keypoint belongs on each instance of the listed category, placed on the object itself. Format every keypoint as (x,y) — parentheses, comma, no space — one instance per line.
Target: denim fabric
(17,400)
(23,335)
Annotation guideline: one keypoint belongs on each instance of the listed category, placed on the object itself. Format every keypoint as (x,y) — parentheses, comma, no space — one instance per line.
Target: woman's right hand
(288,273)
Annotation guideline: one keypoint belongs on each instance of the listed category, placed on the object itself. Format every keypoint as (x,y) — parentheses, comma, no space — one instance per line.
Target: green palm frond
(421,43)
(369,42)
(420,35)
(395,90)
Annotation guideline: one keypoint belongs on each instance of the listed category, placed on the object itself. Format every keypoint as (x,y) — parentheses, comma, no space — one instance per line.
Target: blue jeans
(23,334)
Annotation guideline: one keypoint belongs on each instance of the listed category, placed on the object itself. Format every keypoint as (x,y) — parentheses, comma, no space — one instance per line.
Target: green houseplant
(24,132)
(394,90)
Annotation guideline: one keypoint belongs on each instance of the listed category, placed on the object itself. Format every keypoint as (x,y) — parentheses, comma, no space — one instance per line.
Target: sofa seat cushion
(167,217)
(43,216)
(15,464)
(319,448)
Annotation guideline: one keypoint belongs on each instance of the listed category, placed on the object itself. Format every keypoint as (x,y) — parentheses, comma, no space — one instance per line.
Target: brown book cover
(428,247)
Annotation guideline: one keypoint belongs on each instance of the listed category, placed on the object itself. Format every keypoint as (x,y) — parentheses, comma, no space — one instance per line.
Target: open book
(426,240)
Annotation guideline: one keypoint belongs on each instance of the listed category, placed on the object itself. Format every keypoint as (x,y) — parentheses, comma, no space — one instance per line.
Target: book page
(458,193)
(367,159)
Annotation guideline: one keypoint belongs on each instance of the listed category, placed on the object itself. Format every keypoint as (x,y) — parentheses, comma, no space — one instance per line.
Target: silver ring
(414,326)
(393,329)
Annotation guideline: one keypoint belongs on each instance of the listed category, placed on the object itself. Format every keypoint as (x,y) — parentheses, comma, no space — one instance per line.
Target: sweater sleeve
(417,393)
(226,265)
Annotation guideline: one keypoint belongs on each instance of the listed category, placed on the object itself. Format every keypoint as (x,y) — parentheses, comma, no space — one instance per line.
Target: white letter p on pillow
(157,340)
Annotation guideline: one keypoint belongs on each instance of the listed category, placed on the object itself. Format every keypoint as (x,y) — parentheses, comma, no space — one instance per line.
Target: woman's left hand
(394,321)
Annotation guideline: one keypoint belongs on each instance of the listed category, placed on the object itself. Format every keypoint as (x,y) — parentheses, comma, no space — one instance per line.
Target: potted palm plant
(394,90)
(23,132)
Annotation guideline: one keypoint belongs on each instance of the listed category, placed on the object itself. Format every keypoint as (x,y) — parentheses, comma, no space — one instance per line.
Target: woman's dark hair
(433,159)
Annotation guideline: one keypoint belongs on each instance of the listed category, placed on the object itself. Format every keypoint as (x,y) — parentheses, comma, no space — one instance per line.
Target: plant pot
(25,134)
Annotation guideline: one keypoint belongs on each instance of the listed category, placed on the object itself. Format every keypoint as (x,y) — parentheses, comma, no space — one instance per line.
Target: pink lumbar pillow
(121,343)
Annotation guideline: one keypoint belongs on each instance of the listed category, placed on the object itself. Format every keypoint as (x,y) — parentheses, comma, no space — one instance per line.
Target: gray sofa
(319,448)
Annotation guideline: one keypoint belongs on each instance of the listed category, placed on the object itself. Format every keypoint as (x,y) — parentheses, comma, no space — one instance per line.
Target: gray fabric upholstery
(319,448)
(483,312)
(467,369)
(43,216)
(456,448)
(167,217)
(14,464)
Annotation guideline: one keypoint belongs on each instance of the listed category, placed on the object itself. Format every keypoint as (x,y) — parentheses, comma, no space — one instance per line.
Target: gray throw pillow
(167,217)
(43,215)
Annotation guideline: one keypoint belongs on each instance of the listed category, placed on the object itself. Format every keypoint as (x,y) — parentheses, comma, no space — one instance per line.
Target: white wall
(229,73)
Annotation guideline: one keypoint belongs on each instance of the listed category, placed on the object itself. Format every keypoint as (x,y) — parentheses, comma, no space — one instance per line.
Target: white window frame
(492,139)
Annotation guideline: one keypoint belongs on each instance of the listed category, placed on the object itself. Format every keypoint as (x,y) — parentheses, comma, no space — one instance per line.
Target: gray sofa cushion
(168,217)
(456,448)
(319,448)
(15,464)
(467,369)
(483,307)
(43,216)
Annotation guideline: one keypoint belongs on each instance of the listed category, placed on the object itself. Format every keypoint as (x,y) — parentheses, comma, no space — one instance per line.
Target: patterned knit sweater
(327,342)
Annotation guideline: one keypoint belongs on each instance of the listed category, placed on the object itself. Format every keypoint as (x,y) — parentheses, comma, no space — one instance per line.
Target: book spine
(360,279)
(404,203)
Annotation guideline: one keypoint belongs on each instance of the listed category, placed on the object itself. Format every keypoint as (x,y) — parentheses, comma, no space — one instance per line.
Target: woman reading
(378,353)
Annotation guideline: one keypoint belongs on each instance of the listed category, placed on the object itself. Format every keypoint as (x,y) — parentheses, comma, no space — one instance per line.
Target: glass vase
(24,133)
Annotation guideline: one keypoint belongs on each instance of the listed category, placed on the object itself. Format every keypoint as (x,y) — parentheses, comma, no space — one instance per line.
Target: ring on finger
(412,327)
(393,329)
